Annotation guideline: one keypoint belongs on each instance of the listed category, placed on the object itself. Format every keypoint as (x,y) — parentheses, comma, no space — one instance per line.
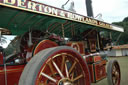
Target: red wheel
(113,73)
(56,66)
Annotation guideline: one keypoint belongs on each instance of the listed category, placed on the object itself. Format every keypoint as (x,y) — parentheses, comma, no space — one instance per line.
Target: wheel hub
(65,82)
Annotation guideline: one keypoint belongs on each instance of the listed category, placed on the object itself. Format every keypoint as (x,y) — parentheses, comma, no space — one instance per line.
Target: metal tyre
(113,73)
(56,66)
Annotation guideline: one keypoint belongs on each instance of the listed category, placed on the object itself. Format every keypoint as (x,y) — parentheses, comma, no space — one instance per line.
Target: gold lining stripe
(12,70)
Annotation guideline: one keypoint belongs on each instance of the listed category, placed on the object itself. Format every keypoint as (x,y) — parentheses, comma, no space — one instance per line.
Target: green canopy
(19,19)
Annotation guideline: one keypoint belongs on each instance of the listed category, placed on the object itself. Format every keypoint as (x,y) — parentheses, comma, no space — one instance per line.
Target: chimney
(89,8)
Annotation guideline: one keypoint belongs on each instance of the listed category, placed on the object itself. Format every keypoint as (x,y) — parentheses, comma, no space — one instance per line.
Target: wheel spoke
(114,69)
(72,75)
(51,68)
(114,81)
(58,70)
(63,61)
(70,70)
(49,77)
(67,74)
(78,77)
(117,74)
(113,78)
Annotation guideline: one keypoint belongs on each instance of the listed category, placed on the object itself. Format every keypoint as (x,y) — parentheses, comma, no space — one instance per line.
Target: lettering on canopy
(52,11)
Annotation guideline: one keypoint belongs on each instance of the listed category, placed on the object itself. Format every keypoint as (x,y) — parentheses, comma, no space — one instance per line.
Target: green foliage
(121,38)
(125,19)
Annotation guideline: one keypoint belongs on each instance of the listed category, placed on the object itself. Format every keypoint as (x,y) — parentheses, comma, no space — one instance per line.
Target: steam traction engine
(53,48)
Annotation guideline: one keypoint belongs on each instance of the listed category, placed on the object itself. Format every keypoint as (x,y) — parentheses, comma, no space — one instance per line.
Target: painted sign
(52,11)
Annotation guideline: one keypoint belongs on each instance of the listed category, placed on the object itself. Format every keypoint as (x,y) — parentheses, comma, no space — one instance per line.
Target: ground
(123,61)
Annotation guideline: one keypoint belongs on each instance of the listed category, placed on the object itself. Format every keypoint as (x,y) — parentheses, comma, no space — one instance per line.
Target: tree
(2,40)
(125,19)
(123,36)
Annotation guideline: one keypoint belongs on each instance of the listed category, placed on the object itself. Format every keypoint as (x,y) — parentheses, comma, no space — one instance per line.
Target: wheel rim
(63,68)
(115,74)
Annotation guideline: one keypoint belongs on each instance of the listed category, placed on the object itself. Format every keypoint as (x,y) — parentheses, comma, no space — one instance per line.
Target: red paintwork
(97,71)
(92,44)
(100,71)
(1,58)
(2,77)
(95,63)
(90,67)
(13,74)
(79,46)
(93,59)
(43,45)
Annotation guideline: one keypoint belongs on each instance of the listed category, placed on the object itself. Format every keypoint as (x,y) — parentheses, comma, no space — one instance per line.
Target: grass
(123,62)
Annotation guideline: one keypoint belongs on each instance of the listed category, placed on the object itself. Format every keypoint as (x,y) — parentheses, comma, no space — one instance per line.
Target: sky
(111,10)
(8,39)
